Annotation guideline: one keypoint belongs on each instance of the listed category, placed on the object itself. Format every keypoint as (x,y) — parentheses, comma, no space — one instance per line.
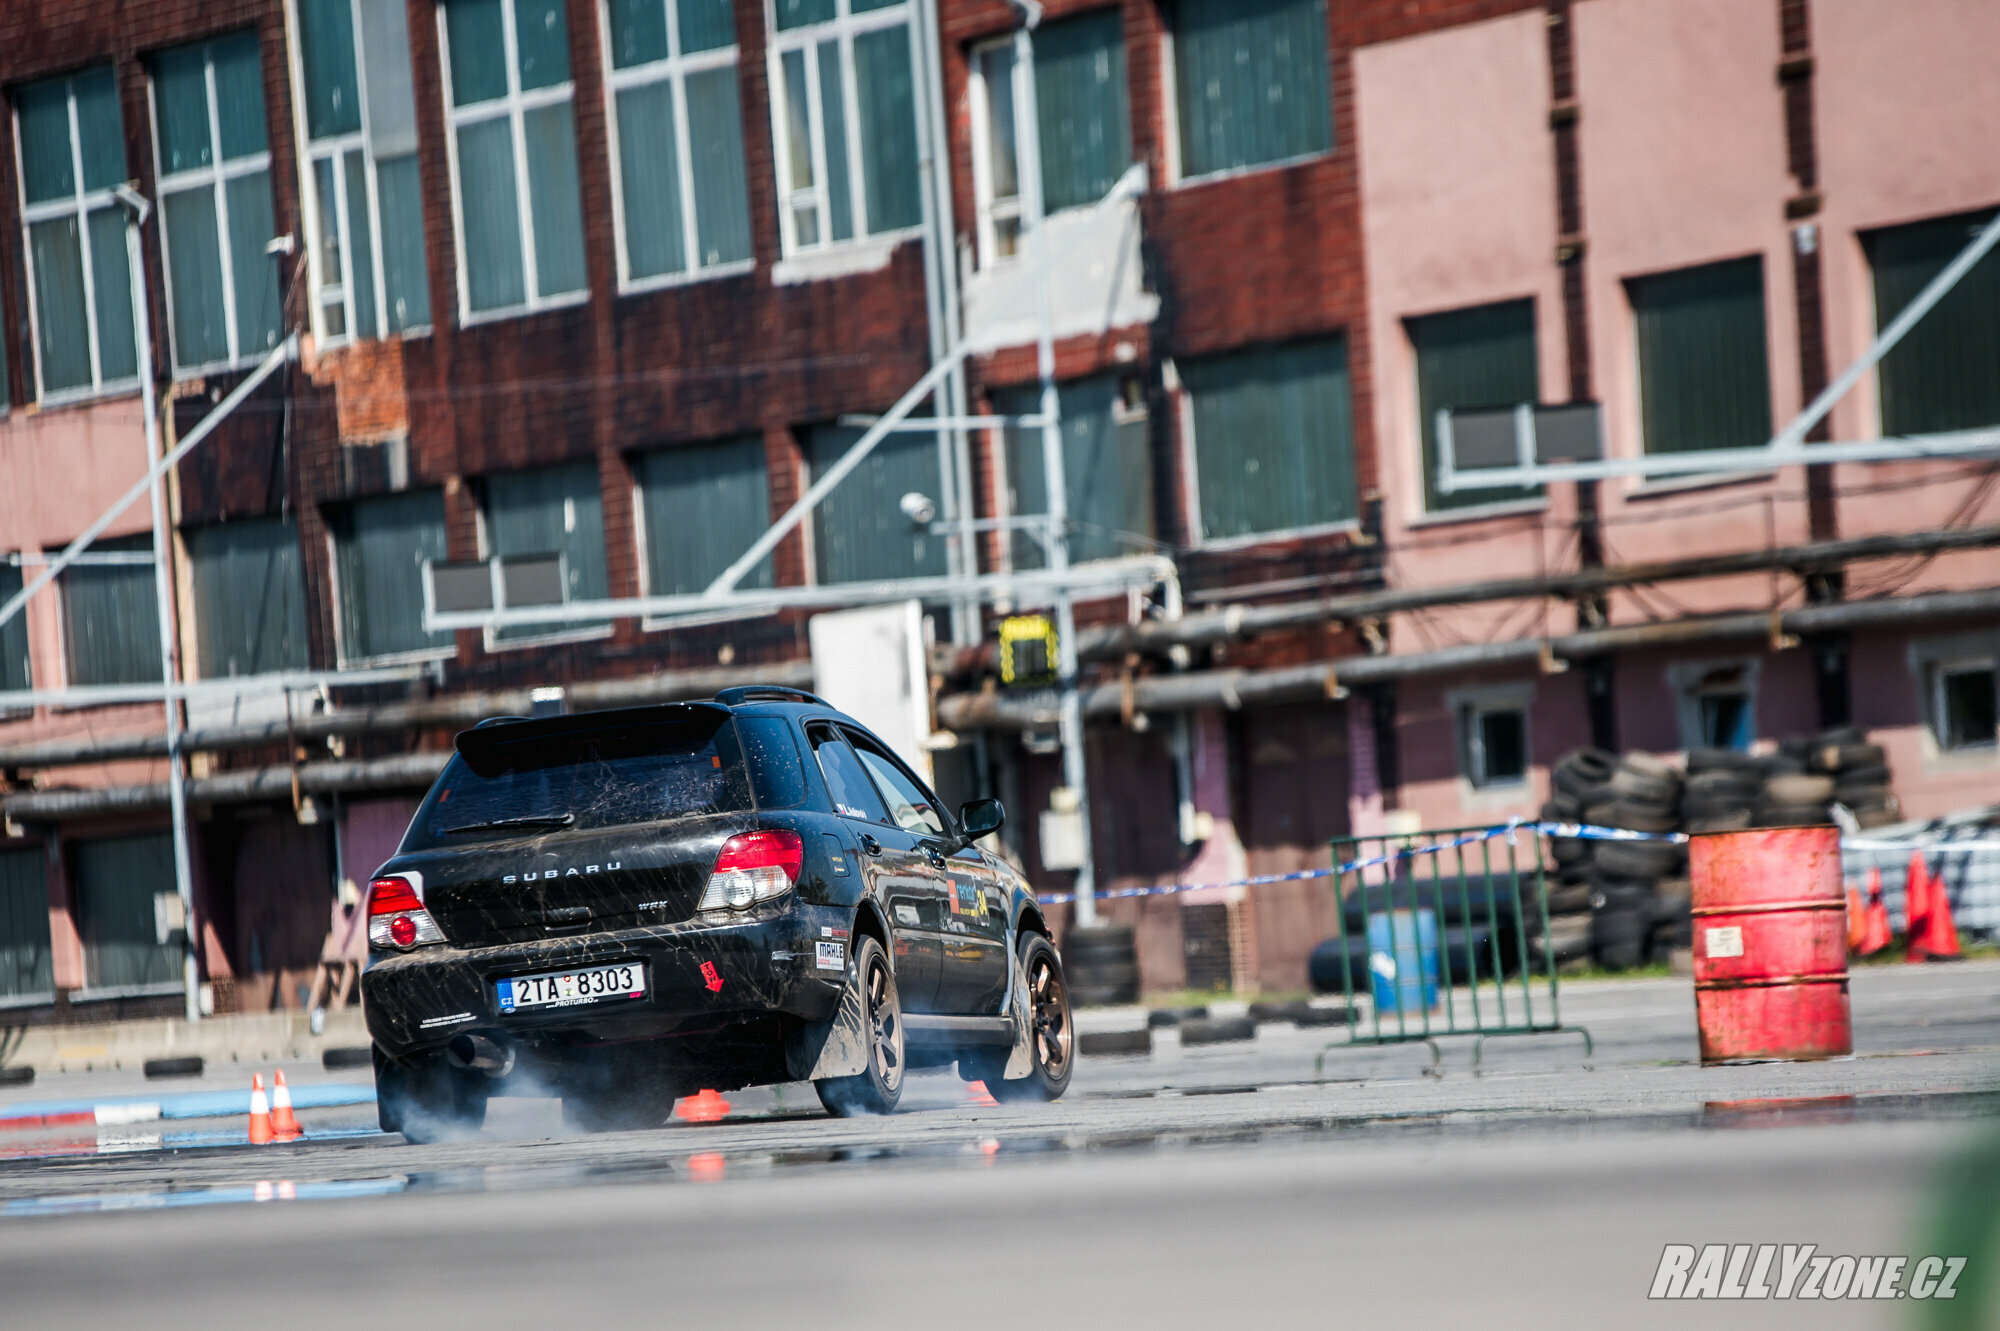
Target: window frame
(80,206)
(1688,680)
(335,147)
(1467,707)
(1171,117)
(1930,661)
(513,106)
(673,69)
(543,635)
(842,29)
(344,655)
(1940,669)
(215,177)
(988,211)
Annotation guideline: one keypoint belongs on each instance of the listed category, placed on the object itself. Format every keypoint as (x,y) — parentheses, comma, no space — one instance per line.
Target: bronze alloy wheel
(885,1024)
(1048,997)
(877,1087)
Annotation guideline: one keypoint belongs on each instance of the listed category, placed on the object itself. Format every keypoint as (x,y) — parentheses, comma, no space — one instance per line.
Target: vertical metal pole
(1069,720)
(163,593)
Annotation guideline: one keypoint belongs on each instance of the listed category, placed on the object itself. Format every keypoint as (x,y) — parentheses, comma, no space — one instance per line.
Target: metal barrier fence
(1460,906)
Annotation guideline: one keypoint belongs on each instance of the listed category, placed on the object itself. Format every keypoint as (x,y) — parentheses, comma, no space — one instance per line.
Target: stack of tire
(1859,772)
(1723,791)
(1616,902)
(1101,965)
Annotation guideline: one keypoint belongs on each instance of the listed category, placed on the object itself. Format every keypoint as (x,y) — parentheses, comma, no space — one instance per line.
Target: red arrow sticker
(711,977)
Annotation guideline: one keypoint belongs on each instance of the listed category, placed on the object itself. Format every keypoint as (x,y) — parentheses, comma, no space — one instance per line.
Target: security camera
(919,508)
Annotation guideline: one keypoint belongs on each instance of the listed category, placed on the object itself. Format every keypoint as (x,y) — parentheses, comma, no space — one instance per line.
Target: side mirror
(978,818)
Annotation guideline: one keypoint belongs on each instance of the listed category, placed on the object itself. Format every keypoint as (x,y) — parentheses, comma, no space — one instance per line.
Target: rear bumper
(697,976)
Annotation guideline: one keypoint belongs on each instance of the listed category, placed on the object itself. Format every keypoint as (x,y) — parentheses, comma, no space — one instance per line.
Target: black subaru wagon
(622,907)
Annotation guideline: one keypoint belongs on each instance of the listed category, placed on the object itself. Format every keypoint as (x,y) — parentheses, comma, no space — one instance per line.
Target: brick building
(615,279)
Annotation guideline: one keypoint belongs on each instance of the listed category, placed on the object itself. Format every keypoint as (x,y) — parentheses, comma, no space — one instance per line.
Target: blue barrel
(1403,960)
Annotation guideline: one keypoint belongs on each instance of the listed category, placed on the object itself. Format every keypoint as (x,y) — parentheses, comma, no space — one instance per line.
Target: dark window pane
(180,96)
(1945,373)
(194,276)
(1703,370)
(48,167)
(26,968)
(495,278)
(117,880)
(886,96)
(392,101)
(638,32)
(833,116)
(1725,721)
(554,199)
(100,129)
(649,171)
(555,510)
(1274,438)
(362,243)
(1106,463)
(382,546)
(111,620)
(1971,703)
(239,95)
(721,191)
(477,49)
(63,335)
(249,597)
(541,41)
(860,532)
(706,25)
(403,273)
(703,504)
(1080,105)
(798,13)
(847,784)
(326,42)
(111,281)
(773,760)
(1503,742)
(1482,357)
(255,272)
(14,672)
(1251,81)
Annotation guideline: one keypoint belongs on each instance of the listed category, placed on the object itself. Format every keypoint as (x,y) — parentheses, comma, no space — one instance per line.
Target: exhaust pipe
(476,1053)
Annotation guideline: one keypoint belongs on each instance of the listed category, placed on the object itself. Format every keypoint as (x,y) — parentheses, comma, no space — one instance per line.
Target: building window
(1493,736)
(701,505)
(860,532)
(215,202)
(1085,137)
(513,134)
(683,200)
(1704,378)
(1717,705)
(80,287)
(1107,465)
(111,614)
(844,121)
(1250,82)
(380,548)
(249,597)
(118,883)
(1273,439)
(363,203)
(26,968)
(550,511)
(14,670)
(1466,359)
(1945,373)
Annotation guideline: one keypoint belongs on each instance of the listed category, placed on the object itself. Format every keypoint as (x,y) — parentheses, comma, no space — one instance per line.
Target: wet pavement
(1257,1131)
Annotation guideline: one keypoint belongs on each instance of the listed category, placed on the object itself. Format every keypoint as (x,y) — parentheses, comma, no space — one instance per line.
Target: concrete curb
(264,1037)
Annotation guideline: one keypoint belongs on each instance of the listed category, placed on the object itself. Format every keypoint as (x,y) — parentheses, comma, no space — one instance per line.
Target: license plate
(599,984)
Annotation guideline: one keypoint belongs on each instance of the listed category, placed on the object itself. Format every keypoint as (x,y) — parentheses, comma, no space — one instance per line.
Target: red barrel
(1770,944)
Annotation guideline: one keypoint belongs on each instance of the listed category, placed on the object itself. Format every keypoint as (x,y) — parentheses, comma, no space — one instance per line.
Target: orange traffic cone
(1916,905)
(977,1094)
(284,1125)
(706,1107)
(1857,919)
(1937,940)
(1876,933)
(260,1112)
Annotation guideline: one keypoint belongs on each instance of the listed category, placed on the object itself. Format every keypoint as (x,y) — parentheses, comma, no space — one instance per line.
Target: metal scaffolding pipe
(1231,623)
(394,718)
(1235,689)
(410,771)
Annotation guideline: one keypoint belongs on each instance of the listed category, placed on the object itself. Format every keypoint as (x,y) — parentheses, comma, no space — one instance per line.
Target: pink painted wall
(1458,209)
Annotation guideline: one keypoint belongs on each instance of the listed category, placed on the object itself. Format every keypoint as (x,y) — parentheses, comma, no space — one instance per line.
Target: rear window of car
(500,785)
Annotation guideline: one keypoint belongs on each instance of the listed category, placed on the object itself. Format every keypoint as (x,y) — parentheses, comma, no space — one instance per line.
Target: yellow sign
(1027,650)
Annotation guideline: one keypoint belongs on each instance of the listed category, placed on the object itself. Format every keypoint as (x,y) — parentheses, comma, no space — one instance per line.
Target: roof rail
(766,693)
(501,721)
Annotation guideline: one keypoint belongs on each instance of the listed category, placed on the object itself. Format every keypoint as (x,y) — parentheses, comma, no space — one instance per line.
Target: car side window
(911,807)
(846,781)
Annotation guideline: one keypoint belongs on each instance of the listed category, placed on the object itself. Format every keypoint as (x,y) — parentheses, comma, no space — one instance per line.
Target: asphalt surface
(1229,1185)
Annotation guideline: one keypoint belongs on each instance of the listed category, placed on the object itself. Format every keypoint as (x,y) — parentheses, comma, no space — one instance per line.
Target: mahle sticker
(830,956)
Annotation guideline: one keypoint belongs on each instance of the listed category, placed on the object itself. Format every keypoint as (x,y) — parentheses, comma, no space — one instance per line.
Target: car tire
(427,1101)
(1055,1042)
(878,1087)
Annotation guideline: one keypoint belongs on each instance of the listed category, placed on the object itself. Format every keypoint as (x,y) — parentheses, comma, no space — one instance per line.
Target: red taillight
(396,915)
(387,896)
(763,850)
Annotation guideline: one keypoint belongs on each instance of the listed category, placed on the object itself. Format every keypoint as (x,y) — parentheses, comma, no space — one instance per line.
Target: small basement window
(1717,706)
(1493,737)
(1965,704)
